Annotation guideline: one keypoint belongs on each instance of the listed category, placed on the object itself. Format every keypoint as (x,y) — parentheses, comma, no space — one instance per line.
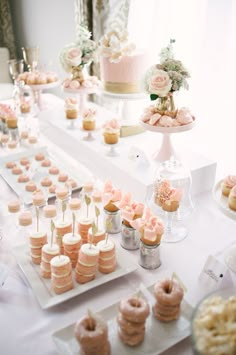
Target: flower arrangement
(170,75)
(115,44)
(78,53)
(160,82)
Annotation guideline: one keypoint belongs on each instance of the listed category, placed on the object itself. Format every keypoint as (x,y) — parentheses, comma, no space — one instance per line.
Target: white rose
(159,83)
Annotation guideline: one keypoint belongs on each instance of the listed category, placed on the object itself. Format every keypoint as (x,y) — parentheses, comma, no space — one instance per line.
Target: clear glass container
(179,177)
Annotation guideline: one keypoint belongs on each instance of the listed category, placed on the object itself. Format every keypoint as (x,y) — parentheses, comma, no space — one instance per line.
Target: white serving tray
(222,201)
(159,336)
(19,188)
(42,287)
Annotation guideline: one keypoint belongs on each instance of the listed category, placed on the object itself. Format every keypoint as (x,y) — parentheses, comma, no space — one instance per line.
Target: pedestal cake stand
(166,151)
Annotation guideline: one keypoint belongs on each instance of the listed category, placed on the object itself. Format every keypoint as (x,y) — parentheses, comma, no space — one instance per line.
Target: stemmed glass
(112,152)
(16,67)
(31,57)
(174,231)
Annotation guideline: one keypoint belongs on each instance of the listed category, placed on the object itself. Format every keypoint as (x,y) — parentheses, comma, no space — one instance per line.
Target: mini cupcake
(71,108)
(111,197)
(89,122)
(111,131)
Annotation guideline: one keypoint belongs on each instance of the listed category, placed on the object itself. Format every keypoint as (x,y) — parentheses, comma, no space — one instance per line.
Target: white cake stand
(222,203)
(38,89)
(166,151)
(124,100)
(82,94)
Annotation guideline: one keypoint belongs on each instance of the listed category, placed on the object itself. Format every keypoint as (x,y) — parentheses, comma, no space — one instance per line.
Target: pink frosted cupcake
(111,131)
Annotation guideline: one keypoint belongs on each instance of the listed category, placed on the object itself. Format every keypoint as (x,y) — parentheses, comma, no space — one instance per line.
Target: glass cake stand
(222,203)
(166,151)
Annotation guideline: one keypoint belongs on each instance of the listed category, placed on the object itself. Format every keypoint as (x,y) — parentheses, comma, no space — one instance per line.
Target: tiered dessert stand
(38,89)
(222,203)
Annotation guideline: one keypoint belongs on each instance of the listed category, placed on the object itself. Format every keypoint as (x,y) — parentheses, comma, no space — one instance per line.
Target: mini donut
(163,296)
(23,178)
(24,161)
(10,164)
(92,331)
(165,317)
(131,340)
(46,163)
(17,170)
(62,177)
(128,327)
(39,157)
(134,309)
(82,279)
(166,310)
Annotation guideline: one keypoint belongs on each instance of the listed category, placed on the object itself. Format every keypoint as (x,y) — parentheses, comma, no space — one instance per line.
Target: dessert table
(27,329)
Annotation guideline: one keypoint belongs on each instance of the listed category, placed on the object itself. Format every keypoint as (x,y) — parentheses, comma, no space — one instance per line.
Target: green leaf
(97,211)
(94,229)
(153,97)
(52,226)
(87,200)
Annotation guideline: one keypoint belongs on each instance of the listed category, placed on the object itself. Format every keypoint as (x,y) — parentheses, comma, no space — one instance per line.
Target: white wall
(49,24)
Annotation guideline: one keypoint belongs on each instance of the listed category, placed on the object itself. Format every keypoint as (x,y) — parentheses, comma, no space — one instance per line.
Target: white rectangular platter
(42,287)
(39,172)
(159,336)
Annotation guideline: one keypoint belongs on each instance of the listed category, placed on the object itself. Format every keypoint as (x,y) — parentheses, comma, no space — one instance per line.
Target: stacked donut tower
(133,314)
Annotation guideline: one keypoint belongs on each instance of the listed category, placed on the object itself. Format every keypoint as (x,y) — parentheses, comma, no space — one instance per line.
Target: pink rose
(73,56)
(160,83)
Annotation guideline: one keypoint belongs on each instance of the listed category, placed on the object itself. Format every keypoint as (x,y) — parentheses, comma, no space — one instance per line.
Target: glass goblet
(31,57)
(16,67)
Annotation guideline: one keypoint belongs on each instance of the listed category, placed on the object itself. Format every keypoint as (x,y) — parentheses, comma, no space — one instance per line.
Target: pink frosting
(66,83)
(230,180)
(111,125)
(129,211)
(149,224)
(89,113)
(110,193)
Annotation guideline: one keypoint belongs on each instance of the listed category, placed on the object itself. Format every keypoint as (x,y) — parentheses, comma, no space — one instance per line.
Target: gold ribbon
(124,88)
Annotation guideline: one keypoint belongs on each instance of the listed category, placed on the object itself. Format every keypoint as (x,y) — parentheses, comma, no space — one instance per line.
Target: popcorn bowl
(213,326)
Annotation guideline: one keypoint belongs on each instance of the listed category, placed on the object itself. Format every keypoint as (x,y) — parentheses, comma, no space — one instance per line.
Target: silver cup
(149,257)
(130,238)
(113,220)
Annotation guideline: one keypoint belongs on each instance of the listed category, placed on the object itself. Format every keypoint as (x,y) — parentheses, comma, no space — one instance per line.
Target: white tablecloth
(26,329)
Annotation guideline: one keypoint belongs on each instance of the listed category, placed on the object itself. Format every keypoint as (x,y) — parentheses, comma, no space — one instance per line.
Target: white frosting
(62,275)
(54,249)
(38,235)
(105,246)
(107,258)
(68,283)
(35,255)
(60,260)
(90,249)
(84,220)
(61,224)
(98,233)
(69,238)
